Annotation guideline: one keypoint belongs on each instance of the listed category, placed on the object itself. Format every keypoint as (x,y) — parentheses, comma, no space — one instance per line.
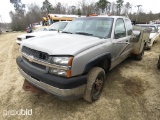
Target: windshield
(57,25)
(40,29)
(153,28)
(92,26)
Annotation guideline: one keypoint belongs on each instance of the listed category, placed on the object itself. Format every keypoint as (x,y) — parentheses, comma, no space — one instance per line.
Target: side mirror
(135,36)
(136,33)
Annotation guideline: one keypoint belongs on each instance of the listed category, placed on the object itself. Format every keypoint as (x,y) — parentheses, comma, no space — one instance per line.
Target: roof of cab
(105,16)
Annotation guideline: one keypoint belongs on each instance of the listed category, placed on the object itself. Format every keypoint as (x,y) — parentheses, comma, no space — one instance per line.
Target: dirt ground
(131,91)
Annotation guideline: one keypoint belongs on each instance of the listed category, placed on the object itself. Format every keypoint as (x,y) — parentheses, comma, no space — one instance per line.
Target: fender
(93,62)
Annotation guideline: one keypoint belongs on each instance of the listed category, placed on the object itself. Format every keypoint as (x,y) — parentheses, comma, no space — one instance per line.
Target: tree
(17,17)
(20,22)
(47,7)
(18,6)
(119,6)
(17,23)
(79,12)
(113,8)
(127,7)
(102,4)
(73,9)
(58,8)
(33,15)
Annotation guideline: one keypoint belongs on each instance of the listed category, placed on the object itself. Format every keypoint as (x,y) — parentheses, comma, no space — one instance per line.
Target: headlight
(58,72)
(20,39)
(61,61)
(65,73)
(67,61)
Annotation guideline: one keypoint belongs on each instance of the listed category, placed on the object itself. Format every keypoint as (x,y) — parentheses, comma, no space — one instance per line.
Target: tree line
(21,18)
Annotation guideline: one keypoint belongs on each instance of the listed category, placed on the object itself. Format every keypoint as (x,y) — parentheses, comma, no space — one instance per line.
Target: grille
(36,54)
(35,64)
(29,37)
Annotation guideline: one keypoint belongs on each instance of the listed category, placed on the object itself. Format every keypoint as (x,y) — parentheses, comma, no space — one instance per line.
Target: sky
(147,5)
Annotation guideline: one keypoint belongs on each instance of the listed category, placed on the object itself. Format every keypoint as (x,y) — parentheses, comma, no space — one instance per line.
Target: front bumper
(63,88)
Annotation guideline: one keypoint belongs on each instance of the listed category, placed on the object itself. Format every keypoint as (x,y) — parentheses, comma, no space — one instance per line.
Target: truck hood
(63,44)
(37,34)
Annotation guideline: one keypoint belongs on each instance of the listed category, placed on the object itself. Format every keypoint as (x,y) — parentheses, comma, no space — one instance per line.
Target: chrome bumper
(60,93)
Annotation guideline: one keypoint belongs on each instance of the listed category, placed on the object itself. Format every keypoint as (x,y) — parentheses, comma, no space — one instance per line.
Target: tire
(95,83)
(140,55)
(158,64)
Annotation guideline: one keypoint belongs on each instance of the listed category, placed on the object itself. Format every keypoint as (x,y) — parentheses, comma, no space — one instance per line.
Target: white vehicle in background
(51,30)
(43,28)
(158,27)
(154,35)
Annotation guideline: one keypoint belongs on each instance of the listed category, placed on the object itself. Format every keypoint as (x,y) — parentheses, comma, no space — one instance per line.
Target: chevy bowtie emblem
(30,58)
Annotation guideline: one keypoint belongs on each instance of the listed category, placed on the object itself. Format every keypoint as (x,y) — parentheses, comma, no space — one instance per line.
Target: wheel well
(105,64)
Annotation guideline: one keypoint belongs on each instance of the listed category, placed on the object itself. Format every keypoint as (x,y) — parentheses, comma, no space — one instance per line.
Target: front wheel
(158,65)
(95,83)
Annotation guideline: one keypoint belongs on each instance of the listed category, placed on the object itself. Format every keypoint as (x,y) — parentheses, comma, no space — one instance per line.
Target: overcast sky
(147,5)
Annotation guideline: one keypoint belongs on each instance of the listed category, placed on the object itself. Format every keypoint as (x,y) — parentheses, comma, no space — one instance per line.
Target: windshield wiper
(84,33)
(66,32)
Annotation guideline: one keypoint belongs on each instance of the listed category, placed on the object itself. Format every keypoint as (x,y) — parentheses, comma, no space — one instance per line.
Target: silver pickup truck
(72,64)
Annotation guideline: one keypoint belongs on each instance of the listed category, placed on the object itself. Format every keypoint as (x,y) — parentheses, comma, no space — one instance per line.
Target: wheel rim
(97,86)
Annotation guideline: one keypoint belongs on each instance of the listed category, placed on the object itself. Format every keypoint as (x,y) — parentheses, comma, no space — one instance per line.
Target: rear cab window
(129,27)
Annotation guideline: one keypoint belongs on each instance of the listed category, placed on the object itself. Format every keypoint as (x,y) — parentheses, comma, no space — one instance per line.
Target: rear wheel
(95,83)
(140,55)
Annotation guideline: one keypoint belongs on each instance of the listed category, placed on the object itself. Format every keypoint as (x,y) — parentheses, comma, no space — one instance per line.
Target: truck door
(120,42)
(129,30)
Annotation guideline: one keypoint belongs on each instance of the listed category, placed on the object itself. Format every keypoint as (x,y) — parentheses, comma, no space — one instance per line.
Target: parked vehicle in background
(58,26)
(73,63)
(51,18)
(29,29)
(42,28)
(36,25)
(158,26)
(51,30)
(154,35)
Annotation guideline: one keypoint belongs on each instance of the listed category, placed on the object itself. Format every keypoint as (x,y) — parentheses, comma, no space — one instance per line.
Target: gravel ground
(131,91)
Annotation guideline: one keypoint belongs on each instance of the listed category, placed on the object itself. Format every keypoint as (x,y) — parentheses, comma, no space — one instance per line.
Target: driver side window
(120,30)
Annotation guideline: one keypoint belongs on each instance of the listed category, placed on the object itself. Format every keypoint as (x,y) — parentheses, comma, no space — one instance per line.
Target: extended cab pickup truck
(73,63)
